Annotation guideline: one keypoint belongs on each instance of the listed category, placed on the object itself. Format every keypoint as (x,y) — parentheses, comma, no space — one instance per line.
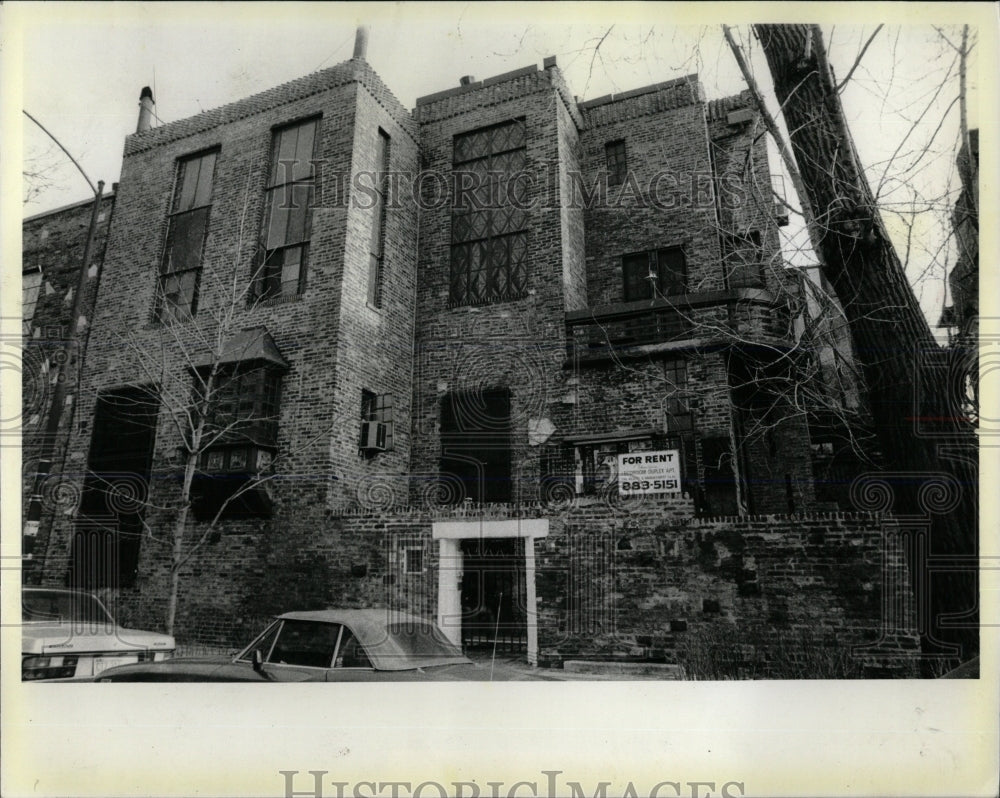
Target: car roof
(387,652)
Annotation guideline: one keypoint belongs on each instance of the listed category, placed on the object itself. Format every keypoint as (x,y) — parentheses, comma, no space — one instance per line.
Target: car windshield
(59,606)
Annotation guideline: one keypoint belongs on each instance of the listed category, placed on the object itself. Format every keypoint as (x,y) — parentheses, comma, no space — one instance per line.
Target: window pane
(672,270)
(186,240)
(306,643)
(283,165)
(303,169)
(206,173)
(291,271)
(178,294)
(635,272)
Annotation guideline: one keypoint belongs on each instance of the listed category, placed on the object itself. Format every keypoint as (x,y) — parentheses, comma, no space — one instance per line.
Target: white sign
(640,473)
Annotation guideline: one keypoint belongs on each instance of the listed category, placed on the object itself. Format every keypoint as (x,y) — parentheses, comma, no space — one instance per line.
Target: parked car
(334,646)
(69,634)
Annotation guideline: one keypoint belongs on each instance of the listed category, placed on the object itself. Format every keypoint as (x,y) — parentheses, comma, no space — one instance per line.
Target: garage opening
(494,595)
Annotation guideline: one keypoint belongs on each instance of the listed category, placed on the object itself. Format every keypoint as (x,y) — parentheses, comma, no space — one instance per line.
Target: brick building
(54,270)
(421,344)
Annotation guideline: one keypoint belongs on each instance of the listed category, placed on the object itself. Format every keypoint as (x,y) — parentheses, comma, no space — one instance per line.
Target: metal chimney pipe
(361,42)
(145,110)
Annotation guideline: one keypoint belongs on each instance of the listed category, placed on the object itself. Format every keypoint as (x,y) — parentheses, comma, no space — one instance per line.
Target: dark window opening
(489,243)
(475,446)
(376,246)
(720,476)
(617,164)
(177,298)
(654,274)
(287,221)
(109,525)
(743,260)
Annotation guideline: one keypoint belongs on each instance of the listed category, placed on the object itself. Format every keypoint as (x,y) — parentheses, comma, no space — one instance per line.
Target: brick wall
(616,579)
(54,242)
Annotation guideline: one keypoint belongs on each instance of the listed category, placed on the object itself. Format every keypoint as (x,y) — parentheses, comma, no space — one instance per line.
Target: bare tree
(923,438)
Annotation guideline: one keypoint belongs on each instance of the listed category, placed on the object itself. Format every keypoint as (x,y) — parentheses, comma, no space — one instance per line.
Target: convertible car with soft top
(372,645)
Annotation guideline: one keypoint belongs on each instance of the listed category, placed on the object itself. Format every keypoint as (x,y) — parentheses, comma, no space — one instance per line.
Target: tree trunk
(928,448)
(180,527)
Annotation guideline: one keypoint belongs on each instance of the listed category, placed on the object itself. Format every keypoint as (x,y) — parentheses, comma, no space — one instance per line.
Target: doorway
(494,603)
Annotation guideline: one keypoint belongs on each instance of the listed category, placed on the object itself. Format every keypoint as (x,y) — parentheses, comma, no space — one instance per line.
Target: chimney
(466,80)
(361,42)
(145,110)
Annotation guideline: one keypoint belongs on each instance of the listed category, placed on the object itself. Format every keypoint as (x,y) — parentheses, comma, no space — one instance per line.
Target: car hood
(70,638)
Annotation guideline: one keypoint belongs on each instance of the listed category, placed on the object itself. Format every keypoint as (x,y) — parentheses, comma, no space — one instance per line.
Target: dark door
(110,522)
(494,606)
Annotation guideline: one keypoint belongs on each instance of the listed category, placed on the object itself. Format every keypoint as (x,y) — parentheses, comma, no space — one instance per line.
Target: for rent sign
(640,473)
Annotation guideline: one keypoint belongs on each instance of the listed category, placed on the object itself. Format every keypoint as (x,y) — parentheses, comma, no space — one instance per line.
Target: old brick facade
(623,292)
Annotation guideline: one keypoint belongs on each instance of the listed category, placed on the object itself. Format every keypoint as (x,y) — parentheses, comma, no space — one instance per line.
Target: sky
(88,63)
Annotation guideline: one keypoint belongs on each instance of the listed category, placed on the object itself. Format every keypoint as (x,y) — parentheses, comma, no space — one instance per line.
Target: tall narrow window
(489,224)
(376,248)
(290,192)
(654,274)
(617,165)
(31,283)
(181,267)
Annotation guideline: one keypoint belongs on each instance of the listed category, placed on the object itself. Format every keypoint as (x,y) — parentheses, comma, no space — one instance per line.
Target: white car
(68,634)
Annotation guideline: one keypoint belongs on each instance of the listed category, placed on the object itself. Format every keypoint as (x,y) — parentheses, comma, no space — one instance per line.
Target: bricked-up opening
(475,446)
(494,594)
(108,532)
(376,247)
(654,274)
(489,225)
(287,221)
(743,260)
(177,297)
(616,162)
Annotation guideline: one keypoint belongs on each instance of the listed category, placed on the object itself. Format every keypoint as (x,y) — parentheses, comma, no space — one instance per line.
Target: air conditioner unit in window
(373,436)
